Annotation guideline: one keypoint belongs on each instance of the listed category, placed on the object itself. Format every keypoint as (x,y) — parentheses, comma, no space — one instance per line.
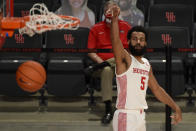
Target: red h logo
(166,38)
(170,17)
(69,39)
(19,38)
(24,13)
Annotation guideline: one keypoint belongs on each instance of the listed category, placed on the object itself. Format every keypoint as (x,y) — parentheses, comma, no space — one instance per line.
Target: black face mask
(137,52)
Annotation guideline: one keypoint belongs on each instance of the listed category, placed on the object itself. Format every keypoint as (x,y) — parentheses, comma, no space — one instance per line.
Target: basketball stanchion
(168,85)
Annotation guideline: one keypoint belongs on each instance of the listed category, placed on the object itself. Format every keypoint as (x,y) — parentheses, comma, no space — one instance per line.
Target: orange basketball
(30,76)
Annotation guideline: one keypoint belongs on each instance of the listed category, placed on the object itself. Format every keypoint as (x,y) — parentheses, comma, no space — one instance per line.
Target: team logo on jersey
(140,71)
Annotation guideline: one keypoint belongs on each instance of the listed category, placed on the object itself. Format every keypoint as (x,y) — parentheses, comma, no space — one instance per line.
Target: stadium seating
(144,5)
(64,67)
(178,37)
(22,7)
(16,50)
(172,15)
(183,2)
(65,75)
(178,13)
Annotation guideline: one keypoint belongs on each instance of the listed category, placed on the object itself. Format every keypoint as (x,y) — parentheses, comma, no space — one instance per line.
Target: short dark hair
(137,29)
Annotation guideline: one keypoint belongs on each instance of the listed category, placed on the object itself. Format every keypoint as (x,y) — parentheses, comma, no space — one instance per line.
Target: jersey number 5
(143,83)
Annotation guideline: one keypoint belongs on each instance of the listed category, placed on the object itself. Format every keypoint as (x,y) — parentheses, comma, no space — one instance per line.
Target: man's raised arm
(118,49)
(122,57)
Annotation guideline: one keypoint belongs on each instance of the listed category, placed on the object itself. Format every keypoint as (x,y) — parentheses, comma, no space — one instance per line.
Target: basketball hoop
(39,20)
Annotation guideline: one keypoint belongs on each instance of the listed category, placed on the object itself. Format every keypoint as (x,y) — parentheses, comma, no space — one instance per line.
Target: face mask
(137,52)
(108,20)
(108,17)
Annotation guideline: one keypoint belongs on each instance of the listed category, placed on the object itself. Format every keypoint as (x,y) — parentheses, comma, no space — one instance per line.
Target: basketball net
(42,20)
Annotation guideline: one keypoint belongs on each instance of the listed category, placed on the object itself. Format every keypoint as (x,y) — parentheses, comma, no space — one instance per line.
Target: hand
(177,117)
(105,63)
(89,70)
(113,11)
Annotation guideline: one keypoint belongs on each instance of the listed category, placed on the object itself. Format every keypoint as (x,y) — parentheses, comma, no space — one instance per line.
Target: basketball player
(134,74)
(99,38)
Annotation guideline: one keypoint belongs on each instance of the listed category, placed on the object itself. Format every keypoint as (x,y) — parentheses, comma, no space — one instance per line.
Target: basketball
(30,76)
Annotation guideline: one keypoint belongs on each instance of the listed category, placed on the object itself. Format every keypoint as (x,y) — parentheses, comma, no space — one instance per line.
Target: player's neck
(139,58)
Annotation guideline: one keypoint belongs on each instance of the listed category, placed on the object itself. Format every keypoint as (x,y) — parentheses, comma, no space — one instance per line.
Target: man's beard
(137,52)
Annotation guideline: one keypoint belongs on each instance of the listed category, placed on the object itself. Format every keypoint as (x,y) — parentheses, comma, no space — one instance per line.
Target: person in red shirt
(99,38)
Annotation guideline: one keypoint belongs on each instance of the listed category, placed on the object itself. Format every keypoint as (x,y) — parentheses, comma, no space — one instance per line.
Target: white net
(41,20)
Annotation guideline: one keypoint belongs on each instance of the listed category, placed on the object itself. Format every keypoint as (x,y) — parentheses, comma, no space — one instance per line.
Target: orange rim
(74,24)
(8,24)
